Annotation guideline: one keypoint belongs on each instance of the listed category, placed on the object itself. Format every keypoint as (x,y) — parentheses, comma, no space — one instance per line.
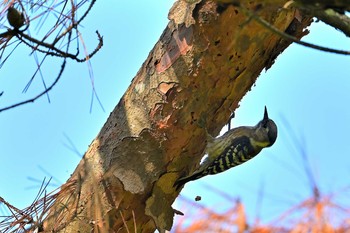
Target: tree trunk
(205,61)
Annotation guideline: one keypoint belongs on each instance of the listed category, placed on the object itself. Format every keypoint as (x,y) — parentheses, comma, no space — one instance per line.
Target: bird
(235,147)
(15,18)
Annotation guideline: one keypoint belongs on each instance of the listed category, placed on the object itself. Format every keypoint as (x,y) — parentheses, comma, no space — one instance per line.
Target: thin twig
(134,220)
(42,93)
(124,222)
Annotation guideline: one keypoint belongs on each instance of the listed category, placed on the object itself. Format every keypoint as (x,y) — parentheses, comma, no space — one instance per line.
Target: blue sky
(307,88)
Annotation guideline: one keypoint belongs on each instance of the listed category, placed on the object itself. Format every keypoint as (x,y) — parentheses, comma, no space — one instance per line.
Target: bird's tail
(180,182)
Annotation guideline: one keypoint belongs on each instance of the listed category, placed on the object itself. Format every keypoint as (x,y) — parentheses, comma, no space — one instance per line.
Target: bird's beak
(266,116)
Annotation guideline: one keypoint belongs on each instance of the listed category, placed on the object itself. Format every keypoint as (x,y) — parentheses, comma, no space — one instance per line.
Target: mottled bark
(205,61)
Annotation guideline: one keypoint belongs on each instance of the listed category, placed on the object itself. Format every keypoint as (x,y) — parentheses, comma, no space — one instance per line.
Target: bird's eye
(264,124)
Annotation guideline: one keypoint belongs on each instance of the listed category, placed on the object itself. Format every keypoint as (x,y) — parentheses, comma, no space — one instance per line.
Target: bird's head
(266,130)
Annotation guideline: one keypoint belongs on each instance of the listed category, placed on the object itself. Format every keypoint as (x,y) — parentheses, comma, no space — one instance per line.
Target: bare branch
(286,36)
(332,18)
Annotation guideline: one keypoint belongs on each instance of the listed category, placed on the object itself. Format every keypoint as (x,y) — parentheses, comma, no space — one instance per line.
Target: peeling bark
(205,61)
